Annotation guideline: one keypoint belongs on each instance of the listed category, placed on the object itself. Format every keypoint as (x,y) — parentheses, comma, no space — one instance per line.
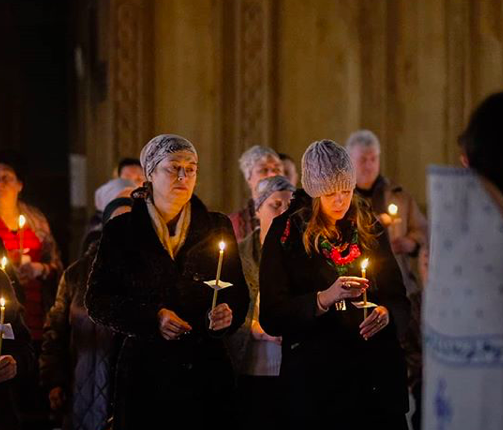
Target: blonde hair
(319,226)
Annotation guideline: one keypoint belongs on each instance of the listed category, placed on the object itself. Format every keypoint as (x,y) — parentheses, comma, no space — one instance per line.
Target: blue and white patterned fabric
(463,306)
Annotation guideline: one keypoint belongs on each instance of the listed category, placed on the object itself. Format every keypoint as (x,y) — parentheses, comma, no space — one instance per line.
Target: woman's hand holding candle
(375,322)
(220,317)
(345,287)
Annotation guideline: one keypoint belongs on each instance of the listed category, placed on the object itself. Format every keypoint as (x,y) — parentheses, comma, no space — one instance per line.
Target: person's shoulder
(77,272)
(33,213)
(246,245)
(395,187)
(219,220)
(118,224)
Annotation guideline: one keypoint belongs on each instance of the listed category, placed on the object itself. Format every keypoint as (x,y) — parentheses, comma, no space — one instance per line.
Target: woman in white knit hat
(337,368)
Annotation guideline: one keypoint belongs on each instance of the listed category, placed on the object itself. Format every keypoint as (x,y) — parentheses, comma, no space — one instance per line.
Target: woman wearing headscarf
(338,368)
(256,355)
(148,282)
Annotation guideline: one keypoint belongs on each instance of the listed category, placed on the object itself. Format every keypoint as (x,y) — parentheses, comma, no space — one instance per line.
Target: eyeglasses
(174,170)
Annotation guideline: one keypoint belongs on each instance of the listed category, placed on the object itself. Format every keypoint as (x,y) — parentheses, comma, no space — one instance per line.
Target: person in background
(102,196)
(339,369)
(148,283)
(289,168)
(480,143)
(130,169)
(78,356)
(33,253)
(17,357)
(256,355)
(409,234)
(462,303)
(256,163)
(38,265)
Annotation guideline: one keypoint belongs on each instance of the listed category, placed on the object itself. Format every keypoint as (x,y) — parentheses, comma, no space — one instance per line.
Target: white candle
(21,223)
(364,266)
(393,210)
(219,272)
(2,319)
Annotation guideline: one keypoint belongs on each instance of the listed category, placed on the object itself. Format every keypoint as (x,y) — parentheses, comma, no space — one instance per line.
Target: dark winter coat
(330,372)
(159,381)
(20,348)
(77,354)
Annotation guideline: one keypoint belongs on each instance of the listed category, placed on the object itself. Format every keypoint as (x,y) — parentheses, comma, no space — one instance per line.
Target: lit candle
(2,318)
(393,210)
(364,266)
(221,245)
(21,223)
(3,263)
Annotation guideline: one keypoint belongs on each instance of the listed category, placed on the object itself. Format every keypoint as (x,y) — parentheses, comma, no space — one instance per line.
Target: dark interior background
(34,103)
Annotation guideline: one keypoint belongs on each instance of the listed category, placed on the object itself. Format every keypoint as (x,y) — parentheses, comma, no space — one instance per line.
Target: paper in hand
(221,284)
(361,305)
(7,332)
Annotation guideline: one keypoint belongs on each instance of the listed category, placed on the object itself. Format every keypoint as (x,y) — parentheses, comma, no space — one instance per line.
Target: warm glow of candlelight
(365,264)
(393,209)
(221,245)
(2,318)
(22,221)
(4,262)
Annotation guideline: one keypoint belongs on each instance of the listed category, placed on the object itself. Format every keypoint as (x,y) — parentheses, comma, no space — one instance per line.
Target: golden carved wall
(228,74)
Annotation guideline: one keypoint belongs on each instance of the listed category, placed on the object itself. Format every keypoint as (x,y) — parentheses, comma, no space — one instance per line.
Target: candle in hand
(393,210)
(364,266)
(21,223)
(221,245)
(2,318)
(3,263)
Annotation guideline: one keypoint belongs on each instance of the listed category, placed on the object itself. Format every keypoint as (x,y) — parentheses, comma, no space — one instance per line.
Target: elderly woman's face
(266,167)
(175,176)
(10,185)
(273,206)
(334,206)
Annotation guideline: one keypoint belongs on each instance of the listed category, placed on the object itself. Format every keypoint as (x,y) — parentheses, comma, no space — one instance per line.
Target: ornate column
(130,56)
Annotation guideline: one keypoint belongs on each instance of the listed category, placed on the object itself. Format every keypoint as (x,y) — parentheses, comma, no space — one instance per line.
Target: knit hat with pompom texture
(326,168)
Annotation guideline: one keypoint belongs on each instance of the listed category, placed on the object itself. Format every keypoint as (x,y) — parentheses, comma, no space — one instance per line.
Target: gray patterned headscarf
(159,148)
(268,186)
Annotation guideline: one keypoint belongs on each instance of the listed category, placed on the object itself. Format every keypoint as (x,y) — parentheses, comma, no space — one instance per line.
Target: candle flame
(2,302)
(4,262)
(221,245)
(22,221)
(392,209)
(365,263)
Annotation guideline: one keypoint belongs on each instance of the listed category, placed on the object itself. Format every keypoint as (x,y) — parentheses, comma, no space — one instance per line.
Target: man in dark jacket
(408,231)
